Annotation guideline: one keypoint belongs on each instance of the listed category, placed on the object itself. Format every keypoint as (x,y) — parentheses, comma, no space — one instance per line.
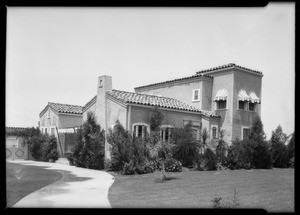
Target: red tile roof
(63,108)
(227,66)
(89,103)
(144,99)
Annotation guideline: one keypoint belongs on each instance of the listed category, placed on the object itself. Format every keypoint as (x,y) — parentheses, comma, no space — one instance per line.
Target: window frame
(218,102)
(244,127)
(254,105)
(140,124)
(214,129)
(163,128)
(193,99)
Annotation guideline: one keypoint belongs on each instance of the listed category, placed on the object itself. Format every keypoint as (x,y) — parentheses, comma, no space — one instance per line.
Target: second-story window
(221,104)
(242,105)
(251,106)
(196,95)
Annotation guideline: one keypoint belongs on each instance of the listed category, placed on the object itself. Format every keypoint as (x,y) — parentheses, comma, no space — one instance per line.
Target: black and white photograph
(150,107)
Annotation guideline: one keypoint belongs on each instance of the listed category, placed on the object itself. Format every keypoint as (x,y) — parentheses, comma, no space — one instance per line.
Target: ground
(272,190)
(22,180)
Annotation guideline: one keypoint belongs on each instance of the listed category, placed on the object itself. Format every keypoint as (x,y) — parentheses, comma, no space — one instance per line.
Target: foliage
(239,155)
(204,137)
(210,160)
(291,147)
(35,146)
(49,149)
(121,150)
(221,149)
(89,149)
(128,168)
(155,119)
(279,151)
(173,165)
(292,162)
(186,145)
(26,133)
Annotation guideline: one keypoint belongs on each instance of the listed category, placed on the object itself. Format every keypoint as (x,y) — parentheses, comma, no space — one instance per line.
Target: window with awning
(243,96)
(221,95)
(254,98)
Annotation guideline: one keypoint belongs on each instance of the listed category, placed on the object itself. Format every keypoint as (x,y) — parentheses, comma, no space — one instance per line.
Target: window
(196,95)
(246,132)
(214,132)
(251,106)
(221,104)
(166,134)
(139,129)
(242,105)
(45,130)
(52,131)
(42,130)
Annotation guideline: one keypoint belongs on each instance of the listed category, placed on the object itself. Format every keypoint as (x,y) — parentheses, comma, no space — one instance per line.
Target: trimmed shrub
(280,155)
(173,165)
(186,145)
(210,160)
(128,168)
(88,151)
(49,149)
(262,158)
(35,146)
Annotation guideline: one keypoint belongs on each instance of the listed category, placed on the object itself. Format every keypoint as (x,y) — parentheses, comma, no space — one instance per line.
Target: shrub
(280,155)
(146,167)
(49,149)
(239,155)
(262,158)
(173,165)
(292,162)
(186,145)
(121,150)
(88,150)
(201,162)
(35,146)
(210,160)
(128,168)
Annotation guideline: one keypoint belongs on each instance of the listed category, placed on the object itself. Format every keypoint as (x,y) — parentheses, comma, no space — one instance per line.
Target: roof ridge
(227,66)
(177,79)
(63,104)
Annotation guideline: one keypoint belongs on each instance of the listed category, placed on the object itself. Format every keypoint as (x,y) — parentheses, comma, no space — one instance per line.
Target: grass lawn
(272,190)
(22,180)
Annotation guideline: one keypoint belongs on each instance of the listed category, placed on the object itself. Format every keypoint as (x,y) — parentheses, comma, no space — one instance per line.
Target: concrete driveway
(78,188)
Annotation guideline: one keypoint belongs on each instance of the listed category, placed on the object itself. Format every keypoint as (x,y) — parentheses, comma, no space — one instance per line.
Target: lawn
(22,180)
(272,190)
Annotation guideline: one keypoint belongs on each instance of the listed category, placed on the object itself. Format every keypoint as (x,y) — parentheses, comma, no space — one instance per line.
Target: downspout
(62,153)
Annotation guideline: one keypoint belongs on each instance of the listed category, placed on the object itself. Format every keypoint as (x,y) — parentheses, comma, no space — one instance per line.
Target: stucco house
(225,97)
(60,117)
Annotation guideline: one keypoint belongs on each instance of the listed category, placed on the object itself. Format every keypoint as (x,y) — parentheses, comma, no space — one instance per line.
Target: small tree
(221,147)
(261,156)
(279,151)
(186,145)
(204,137)
(155,119)
(89,146)
(49,149)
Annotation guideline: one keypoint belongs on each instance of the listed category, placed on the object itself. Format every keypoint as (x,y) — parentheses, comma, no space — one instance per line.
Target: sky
(56,54)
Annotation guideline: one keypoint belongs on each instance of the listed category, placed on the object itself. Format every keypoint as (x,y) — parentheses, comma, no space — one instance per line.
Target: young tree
(221,147)
(186,145)
(279,151)
(204,137)
(91,141)
(261,156)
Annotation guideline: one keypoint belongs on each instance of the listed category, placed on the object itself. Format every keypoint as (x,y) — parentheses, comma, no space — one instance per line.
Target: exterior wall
(115,112)
(46,122)
(175,118)
(243,118)
(69,121)
(183,91)
(91,108)
(224,80)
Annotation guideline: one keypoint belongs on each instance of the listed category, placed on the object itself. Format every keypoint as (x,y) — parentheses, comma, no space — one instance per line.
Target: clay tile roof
(227,66)
(165,102)
(178,79)
(14,129)
(92,101)
(63,108)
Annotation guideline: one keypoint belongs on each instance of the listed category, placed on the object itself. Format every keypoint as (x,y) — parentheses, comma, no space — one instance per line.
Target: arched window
(140,128)
(214,132)
(166,132)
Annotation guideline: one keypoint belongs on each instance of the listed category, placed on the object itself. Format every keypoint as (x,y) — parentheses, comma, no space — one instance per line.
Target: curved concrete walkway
(78,188)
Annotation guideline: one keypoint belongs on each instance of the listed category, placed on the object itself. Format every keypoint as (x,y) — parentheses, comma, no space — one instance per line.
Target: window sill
(196,100)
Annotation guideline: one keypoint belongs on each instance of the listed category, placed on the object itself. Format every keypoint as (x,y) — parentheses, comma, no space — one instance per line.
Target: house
(56,117)
(227,97)
(61,120)
(16,148)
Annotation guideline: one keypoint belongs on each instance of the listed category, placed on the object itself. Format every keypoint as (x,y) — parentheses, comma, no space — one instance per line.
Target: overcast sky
(56,54)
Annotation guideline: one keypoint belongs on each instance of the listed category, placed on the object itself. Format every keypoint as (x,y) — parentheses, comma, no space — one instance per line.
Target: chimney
(104,85)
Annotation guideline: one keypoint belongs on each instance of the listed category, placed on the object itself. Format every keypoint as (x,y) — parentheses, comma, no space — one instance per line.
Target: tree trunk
(163,172)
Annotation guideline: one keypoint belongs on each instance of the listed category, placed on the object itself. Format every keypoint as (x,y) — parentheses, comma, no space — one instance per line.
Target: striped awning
(254,98)
(243,96)
(221,95)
